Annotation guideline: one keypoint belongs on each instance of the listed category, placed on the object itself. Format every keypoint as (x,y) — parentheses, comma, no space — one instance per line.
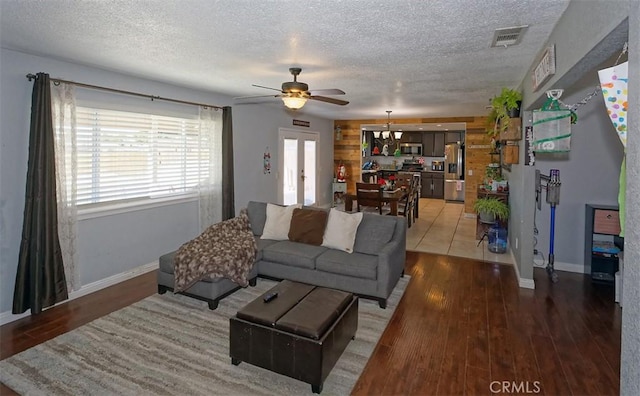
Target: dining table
(392,197)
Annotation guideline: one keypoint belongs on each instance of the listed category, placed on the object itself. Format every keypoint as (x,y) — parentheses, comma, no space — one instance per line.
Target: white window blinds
(127,156)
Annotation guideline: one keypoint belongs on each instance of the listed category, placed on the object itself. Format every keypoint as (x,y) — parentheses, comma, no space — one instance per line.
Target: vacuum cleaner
(553,199)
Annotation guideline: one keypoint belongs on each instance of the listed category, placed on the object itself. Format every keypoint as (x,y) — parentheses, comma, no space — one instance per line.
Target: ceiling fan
(295,94)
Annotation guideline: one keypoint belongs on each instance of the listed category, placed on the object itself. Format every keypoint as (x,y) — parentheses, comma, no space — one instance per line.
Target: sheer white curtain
(64,122)
(210,186)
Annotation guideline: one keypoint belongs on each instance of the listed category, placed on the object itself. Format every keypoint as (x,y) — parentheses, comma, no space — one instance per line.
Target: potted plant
(490,209)
(503,107)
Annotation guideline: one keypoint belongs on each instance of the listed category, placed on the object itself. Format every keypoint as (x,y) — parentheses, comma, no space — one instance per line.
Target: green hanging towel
(621,193)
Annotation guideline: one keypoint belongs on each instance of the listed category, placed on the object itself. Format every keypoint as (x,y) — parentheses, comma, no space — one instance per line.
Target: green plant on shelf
(493,173)
(491,208)
(501,108)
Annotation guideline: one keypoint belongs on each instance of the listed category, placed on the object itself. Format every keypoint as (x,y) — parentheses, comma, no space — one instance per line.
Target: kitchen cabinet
(373,143)
(411,137)
(454,137)
(433,144)
(600,255)
(432,185)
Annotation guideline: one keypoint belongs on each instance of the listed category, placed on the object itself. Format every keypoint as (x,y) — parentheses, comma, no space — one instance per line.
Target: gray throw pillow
(257,212)
(374,232)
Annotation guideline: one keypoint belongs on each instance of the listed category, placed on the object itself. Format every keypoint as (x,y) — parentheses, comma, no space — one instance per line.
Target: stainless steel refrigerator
(454,172)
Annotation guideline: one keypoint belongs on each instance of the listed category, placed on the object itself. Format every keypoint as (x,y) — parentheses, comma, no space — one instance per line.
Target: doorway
(297,182)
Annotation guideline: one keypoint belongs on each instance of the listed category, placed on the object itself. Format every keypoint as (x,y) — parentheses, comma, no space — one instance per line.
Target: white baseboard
(561,266)
(7,317)
(522,282)
(569,267)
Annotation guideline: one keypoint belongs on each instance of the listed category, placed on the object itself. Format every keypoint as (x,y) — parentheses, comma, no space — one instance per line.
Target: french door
(297,181)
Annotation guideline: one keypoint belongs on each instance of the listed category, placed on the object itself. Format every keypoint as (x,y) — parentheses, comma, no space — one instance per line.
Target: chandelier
(386,134)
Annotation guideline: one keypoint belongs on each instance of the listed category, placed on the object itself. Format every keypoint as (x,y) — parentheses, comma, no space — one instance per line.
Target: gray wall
(601,28)
(252,136)
(115,244)
(588,33)
(589,174)
(630,359)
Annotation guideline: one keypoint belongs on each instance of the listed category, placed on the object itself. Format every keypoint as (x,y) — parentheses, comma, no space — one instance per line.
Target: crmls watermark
(511,387)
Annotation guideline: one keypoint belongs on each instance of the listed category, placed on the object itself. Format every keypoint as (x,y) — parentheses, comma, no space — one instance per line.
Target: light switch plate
(470,172)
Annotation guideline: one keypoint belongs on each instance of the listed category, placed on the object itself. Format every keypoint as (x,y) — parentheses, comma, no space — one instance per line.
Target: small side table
(339,190)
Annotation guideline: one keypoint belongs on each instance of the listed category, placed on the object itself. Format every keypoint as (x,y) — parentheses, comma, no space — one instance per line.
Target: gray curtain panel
(40,281)
(228,197)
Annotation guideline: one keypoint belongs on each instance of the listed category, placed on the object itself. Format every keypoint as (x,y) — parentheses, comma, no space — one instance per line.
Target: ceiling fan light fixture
(386,134)
(294,102)
(397,135)
(376,134)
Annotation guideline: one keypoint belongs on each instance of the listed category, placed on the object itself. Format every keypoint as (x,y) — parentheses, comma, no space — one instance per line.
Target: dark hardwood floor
(462,327)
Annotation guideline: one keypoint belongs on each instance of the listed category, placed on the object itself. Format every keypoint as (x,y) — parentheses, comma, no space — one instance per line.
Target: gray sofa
(371,271)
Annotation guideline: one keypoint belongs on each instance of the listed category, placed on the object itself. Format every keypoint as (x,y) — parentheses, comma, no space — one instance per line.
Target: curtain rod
(31,76)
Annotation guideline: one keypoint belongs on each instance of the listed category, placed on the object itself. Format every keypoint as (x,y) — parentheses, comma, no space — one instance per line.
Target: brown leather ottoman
(300,334)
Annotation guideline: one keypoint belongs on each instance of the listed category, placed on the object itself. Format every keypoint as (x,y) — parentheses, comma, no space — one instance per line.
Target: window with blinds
(128,156)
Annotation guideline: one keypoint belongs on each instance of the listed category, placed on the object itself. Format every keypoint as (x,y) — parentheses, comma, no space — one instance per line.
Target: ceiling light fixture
(294,102)
(386,134)
(376,134)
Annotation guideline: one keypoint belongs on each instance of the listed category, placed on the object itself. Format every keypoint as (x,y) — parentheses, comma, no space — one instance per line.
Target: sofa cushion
(350,264)
(293,253)
(307,226)
(278,221)
(257,212)
(262,243)
(374,232)
(341,230)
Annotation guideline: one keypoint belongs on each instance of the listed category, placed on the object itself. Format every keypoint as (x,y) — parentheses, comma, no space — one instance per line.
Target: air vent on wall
(506,37)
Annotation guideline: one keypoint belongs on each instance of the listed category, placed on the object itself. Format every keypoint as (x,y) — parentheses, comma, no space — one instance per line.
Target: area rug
(174,345)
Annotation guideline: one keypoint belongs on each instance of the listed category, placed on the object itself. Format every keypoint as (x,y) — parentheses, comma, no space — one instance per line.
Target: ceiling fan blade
(329,100)
(262,86)
(257,96)
(332,91)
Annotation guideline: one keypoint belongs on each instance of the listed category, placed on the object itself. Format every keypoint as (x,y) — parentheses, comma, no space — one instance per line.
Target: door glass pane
(290,172)
(309,172)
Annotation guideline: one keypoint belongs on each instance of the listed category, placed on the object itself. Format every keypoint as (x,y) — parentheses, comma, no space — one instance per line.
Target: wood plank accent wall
(477,148)
(348,151)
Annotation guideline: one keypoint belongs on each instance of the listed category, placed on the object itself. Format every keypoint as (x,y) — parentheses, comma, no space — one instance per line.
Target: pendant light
(387,134)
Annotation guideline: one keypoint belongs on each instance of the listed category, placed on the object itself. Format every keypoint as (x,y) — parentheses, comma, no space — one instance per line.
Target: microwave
(412,149)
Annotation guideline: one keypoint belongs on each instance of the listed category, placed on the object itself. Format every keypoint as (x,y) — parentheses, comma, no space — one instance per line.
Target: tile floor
(443,228)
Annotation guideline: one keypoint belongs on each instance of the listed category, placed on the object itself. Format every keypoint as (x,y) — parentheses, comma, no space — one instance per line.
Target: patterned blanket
(224,250)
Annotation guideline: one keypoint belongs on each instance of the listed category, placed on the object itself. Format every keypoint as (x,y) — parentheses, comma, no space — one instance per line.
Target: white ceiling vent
(506,37)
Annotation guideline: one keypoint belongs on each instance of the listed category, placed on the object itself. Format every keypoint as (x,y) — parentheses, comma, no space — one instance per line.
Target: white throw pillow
(278,221)
(341,230)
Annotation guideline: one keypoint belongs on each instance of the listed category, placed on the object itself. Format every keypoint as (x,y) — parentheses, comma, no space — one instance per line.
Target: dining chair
(369,195)
(406,206)
(404,179)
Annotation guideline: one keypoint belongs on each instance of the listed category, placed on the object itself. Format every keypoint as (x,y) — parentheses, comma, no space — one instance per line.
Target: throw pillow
(341,230)
(278,220)
(307,226)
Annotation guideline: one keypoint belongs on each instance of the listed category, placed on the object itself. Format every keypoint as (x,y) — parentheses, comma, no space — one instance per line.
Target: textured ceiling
(418,58)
